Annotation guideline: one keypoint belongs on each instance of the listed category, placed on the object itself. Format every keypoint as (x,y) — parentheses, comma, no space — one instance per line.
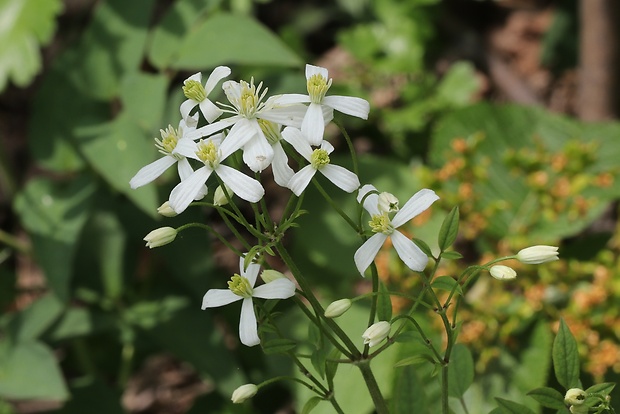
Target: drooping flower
(168,145)
(160,237)
(318,83)
(243,393)
(241,287)
(196,93)
(247,105)
(318,161)
(384,227)
(501,272)
(211,152)
(376,333)
(538,254)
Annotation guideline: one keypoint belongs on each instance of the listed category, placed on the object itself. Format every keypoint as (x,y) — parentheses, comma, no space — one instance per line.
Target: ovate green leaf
(566,357)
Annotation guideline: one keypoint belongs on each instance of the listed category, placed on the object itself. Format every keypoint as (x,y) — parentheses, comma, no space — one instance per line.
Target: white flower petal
(301,179)
(210,129)
(258,153)
(186,107)
(185,170)
(210,111)
(292,98)
(313,125)
(277,289)
(418,203)
(371,203)
(294,137)
(151,171)
(248,331)
(349,105)
(218,297)
(282,173)
(287,115)
(251,273)
(312,70)
(368,251)
(243,186)
(187,190)
(408,252)
(215,77)
(243,131)
(195,77)
(341,177)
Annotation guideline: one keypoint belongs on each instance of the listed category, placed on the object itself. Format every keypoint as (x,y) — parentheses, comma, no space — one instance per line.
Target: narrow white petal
(187,190)
(257,153)
(341,177)
(251,273)
(292,98)
(368,251)
(248,330)
(294,137)
(151,171)
(419,202)
(195,77)
(187,148)
(210,110)
(210,129)
(277,289)
(408,252)
(282,173)
(328,114)
(301,179)
(312,70)
(245,187)
(349,105)
(218,297)
(243,131)
(313,125)
(287,115)
(185,170)
(371,202)
(217,75)
(186,107)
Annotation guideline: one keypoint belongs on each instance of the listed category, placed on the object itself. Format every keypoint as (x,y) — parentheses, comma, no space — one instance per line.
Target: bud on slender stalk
(575,396)
(166,211)
(269,275)
(243,393)
(160,237)
(219,197)
(538,254)
(376,333)
(337,308)
(501,272)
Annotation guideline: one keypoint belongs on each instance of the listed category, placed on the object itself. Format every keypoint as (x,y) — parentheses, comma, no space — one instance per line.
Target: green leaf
(278,346)
(27,25)
(331,367)
(566,357)
(603,388)
(511,407)
(84,392)
(409,394)
(247,42)
(384,303)
(423,246)
(460,371)
(310,404)
(451,255)
(80,322)
(447,283)
(417,359)
(449,229)
(30,323)
(548,397)
(459,85)
(30,371)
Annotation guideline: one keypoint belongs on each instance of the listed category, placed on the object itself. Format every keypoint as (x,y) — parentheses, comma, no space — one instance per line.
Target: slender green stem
(373,301)
(233,229)
(445,408)
(14,242)
(373,387)
(425,338)
(124,372)
(350,145)
(287,378)
(335,206)
(464,405)
(215,233)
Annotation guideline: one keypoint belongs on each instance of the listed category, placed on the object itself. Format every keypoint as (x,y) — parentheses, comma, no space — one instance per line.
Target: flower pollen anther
(318,86)
(380,223)
(208,153)
(240,286)
(194,90)
(319,158)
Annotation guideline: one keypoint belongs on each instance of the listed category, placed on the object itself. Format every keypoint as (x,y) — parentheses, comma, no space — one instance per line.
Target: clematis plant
(253,132)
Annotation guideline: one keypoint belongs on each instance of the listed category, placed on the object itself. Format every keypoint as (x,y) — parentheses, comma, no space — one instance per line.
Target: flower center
(380,223)
(387,203)
(168,141)
(208,153)
(240,286)
(194,90)
(317,87)
(249,101)
(271,131)
(319,158)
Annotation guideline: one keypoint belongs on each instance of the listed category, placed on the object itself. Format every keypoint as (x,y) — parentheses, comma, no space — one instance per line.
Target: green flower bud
(269,275)
(337,308)
(160,237)
(501,272)
(243,393)
(376,333)
(166,211)
(538,254)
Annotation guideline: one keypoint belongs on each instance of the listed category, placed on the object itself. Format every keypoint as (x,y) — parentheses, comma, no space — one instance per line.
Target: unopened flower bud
(337,308)
(269,275)
(160,237)
(166,211)
(538,254)
(575,396)
(388,203)
(376,333)
(501,272)
(579,409)
(243,393)
(219,198)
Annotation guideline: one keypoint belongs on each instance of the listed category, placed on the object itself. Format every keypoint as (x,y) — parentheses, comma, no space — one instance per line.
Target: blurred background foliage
(476,99)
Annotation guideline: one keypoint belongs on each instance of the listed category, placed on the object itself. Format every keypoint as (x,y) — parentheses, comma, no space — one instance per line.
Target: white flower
(211,153)
(319,161)
(575,396)
(247,104)
(502,272)
(376,333)
(243,393)
(241,287)
(337,308)
(196,94)
(384,227)
(160,237)
(538,254)
(168,145)
(317,82)
(282,173)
